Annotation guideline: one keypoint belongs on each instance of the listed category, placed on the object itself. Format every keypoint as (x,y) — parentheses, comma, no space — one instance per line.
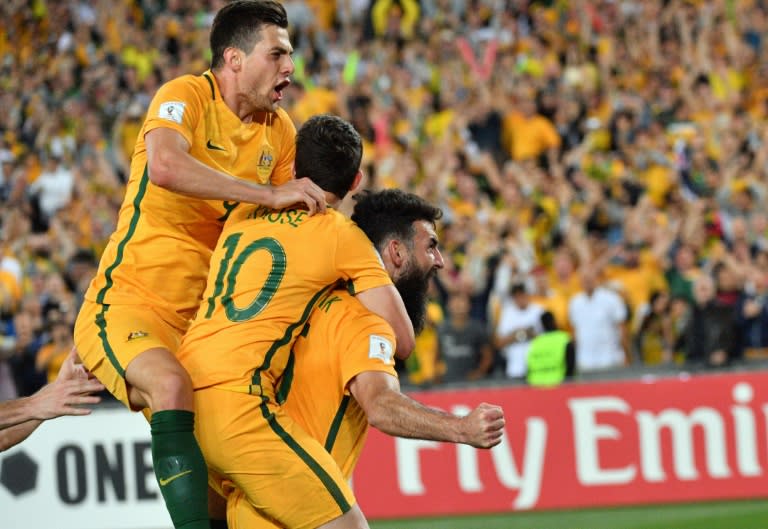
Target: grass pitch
(751,514)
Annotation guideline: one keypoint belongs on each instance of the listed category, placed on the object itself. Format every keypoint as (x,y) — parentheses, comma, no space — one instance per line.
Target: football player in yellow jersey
(351,348)
(268,272)
(207,143)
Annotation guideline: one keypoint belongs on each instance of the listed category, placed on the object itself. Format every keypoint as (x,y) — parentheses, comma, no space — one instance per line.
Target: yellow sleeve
(283,171)
(358,261)
(177,105)
(367,343)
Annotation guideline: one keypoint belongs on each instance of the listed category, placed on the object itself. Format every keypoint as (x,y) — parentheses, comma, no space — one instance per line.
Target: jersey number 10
(229,276)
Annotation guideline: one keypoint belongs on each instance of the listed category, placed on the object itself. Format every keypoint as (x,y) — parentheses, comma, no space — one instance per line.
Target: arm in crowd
(396,414)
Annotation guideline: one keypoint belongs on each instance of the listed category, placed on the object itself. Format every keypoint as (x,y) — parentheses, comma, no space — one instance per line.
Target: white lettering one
(587,432)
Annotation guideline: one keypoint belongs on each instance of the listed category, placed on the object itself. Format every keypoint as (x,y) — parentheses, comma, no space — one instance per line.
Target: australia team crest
(266,162)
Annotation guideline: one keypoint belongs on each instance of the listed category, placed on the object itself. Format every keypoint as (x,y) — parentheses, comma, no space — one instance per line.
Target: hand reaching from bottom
(66,395)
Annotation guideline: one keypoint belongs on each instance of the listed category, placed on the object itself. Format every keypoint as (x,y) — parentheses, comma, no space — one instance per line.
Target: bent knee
(161,380)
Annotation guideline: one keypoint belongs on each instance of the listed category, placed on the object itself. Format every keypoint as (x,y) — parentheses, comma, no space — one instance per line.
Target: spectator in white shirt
(517,323)
(53,188)
(597,315)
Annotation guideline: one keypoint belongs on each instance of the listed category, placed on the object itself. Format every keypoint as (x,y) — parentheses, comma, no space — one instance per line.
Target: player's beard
(413,286)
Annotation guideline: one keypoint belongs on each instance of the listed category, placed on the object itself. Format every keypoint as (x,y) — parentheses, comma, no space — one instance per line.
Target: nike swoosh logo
(164,482)
(214,147)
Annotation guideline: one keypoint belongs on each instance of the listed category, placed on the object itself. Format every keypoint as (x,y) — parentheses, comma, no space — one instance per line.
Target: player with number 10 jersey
(268,271)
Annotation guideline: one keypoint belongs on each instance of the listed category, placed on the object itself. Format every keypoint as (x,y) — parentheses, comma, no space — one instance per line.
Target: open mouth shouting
(279,89)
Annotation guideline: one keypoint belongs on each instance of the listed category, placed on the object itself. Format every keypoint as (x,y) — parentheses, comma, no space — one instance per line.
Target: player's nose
(439,262)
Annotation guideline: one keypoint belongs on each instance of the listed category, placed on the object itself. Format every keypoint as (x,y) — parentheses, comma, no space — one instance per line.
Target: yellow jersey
(342,340)
(160,250)
(268,271)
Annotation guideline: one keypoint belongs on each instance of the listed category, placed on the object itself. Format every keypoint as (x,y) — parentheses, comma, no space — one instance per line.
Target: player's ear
(396,252)
(357,180)
(232,58)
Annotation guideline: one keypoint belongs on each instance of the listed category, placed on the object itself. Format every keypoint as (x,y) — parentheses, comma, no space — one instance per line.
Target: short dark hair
(518,287)
(328,152)
(238,25)
(548,321)
(390,214)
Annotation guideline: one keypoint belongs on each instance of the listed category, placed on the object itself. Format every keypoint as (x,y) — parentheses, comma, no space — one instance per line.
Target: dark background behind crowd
(602,161)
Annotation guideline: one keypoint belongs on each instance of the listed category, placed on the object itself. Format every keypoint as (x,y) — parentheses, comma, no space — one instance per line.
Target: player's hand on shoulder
(299,191)
(484,426)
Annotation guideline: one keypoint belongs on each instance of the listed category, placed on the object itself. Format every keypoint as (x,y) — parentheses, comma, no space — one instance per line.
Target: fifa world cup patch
(172,111)
(381,348)
(136,335)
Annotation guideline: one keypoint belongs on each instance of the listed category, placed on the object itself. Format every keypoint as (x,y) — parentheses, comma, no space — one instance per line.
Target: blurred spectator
(50,192)
(423,366)
(7,349)
(516,323)
(682,273)
(656,335)
(752,317)
(728,283)
(709,338)
(394,18)
(52,355)
(598,316)
(552,356)
(28,341)
(80,269)
(527,134)
(465,347)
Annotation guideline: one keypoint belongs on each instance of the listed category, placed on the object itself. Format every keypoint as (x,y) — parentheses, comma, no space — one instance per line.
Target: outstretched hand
(299,191)
(484,426)
(73,388)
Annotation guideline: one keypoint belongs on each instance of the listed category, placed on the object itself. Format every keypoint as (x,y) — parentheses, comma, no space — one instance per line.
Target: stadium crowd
(604,161)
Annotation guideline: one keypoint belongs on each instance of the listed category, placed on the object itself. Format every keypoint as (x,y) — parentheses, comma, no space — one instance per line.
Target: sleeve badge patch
(172,111)
(381,348)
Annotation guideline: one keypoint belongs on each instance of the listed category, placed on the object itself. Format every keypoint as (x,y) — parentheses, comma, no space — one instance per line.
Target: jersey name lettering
(285,216)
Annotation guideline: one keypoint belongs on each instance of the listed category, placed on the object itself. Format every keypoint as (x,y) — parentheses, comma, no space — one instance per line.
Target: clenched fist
(484,426)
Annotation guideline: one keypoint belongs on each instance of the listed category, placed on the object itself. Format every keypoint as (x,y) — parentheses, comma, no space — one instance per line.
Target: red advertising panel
(581,445)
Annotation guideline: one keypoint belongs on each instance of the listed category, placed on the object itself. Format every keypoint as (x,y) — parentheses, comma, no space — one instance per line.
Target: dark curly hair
(389,214)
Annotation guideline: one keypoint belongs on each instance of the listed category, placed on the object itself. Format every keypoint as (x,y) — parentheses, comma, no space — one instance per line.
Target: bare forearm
(395,414)
(17,411)
(187,176)
(13,435)
(398,415)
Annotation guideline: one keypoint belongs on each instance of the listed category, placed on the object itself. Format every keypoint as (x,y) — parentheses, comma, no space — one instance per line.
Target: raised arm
(395,414)
(172,167)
